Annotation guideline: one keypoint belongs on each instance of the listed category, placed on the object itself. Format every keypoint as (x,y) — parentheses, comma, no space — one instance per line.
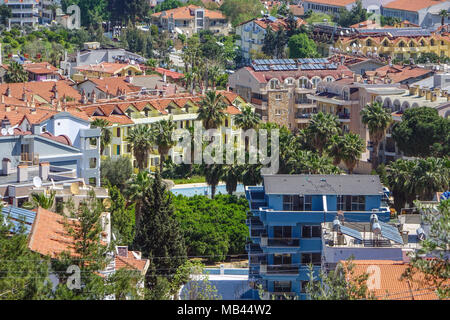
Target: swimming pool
(204,190)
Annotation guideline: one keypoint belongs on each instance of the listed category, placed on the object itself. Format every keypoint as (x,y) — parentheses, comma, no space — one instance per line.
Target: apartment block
(24,12)
(286,219)
(279,88)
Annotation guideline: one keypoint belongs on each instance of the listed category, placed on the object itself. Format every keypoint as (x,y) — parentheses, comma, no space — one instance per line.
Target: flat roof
(323,184)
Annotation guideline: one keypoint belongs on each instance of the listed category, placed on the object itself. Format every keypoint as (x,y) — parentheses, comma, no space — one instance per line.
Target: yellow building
(106,70)
(398,44)
(181,108)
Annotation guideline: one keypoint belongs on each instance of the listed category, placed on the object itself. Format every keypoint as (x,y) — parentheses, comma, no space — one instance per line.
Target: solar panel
(351,232)
(19,214)
(390,232)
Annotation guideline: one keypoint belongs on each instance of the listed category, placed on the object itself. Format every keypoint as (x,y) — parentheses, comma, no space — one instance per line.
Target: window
(315,81)
(303,82)
(93,163)
(351,203)
(278,97)
(118,132)
(282,259)
(93,181)
(358,203)
(297,203)
(118,150)
(282,286)
(311,231)
(282,231)
(274,84)
(313,258)
(278,112)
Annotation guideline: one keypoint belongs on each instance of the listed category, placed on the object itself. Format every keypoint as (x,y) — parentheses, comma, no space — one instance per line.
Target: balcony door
(279,259)
(282,232)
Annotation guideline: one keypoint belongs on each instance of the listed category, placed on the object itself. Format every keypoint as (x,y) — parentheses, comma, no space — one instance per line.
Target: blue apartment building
(285,224)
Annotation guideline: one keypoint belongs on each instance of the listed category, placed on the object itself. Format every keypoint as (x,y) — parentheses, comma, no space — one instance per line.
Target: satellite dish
(75,188)
(11,131)
(37,182)
(4,132)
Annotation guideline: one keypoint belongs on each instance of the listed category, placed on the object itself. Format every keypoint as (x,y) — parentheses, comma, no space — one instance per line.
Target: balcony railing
(279,269)
(343,115)
(280,242)
(304,115)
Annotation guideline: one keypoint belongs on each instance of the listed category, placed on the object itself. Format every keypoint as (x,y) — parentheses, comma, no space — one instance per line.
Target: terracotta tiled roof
(112,84)
(132,261)
(412,5)
(187,13)
(172,74)
(42,89)
(400,73)
(390,285)
(265,76)
(338,3)
(106,67)
(40,68)
(48,235)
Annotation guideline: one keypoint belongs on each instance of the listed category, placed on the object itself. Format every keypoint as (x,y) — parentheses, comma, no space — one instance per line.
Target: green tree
(308,162)
(444,14)
(136,191)
(106,135)
(42,200)
(16,73)
(422,133)
(239,11)
(334,148)
(161,133)
(5,14)
(339,284)
(213,174)
(116,171)
(300,46)
(353,147)
(211,111)
(355,15)
(122,217)
(24,275)
(140,139)
(321,128)
(377,119)
(158,235)
(92,12)
(431,260)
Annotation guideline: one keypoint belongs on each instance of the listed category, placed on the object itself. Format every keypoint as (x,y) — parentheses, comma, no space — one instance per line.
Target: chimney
(22,173)
(428,94)
(8,108)
(24,96)
(94,96)
(438,91)
(3,99)
(106,227)
(414,90)
(433,96)
(122,251)
(83,97)
(422,91)
(444,93)
(44,170)
(6,166)
(164,77)
(5,122)
(8,92)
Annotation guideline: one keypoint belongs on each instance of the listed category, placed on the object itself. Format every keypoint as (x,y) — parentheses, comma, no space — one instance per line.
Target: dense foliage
(213,228)
(239,11)
(422,133)
(116,171)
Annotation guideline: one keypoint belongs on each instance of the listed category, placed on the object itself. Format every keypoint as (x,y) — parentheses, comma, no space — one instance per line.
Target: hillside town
(225,150)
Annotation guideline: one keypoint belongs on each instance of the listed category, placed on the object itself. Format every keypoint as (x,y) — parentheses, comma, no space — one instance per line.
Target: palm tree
(353,147)
(247,120)
(135,191)
(106,136)
(211,111)
(321,128)
(400,177)
(444,14)
(377,119)
(213,173)
(308,162)
(433,174)
(16,73)
(43,201)
(162,136)
(334,148)
(140,138)
(232,175)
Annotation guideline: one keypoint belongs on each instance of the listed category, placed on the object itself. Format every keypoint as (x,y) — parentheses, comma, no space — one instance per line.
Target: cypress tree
(159,235)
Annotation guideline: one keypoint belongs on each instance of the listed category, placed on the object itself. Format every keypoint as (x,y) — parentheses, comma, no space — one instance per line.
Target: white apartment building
(24,12)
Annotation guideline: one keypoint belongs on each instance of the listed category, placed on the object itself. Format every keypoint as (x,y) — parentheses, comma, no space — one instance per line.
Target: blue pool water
(189,192)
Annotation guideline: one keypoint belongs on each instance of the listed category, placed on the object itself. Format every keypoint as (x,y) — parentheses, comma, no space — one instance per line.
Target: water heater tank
(376,228)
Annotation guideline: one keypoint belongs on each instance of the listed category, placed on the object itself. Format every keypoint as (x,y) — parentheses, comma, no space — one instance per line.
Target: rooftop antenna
(37,182)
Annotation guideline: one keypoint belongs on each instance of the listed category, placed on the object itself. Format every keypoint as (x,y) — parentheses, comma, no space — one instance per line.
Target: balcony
(343,117)
(280,242)
(258,259)
(279,269)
